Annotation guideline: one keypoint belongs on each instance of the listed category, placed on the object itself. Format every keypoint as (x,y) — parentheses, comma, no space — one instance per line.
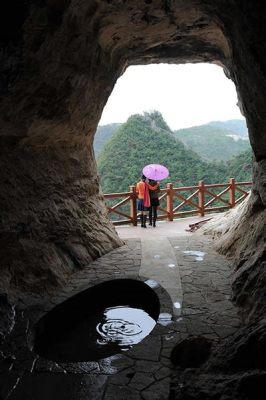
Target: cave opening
(194,103)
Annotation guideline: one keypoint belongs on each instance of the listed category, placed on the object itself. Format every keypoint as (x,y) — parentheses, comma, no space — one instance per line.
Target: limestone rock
(60,60)
(236,370)
(240,234)
(191,352)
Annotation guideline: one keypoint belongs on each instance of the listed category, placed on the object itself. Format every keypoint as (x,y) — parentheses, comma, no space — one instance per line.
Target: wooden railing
(180,201)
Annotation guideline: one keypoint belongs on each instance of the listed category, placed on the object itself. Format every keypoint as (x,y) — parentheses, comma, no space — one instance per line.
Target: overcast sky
(186,95)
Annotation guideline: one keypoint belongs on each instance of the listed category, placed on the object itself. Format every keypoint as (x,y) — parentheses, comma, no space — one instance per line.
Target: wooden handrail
(170,196)
(201,198)
(113,195)
(232,192)
(133,205)
(170,201)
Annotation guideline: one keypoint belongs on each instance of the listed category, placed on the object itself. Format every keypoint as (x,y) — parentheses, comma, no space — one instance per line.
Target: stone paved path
(194,294)
(159,263)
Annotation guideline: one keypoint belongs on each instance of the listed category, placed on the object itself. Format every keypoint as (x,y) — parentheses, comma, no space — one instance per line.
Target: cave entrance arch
(190,98)
(60,60)
(60,65)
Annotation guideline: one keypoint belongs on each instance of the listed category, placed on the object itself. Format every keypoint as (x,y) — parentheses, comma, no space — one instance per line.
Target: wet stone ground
(143,372)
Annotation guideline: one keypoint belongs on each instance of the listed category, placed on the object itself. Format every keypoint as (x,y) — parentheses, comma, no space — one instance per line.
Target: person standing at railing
(154,190)
(142,190)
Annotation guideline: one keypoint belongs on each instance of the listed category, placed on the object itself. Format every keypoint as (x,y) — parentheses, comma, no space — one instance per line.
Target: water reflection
(99,322)
(177,304)
(152,283)
(171,265)
(199,254)
(165,319)
(124,326)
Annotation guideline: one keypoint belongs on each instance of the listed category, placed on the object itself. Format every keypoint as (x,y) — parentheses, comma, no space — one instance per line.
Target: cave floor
(193,286)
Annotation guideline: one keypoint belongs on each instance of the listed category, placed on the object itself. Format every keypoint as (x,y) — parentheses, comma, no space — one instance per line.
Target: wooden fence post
(201,198)
(170,201)
(133,205)
(232,192)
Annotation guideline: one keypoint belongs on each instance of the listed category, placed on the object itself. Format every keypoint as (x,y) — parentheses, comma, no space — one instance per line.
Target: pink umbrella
(155,172)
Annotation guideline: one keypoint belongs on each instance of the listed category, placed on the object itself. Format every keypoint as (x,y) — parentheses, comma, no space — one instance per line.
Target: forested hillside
(103,134)
(238,126)
(217,140)
(146,139)
(240,166)
(213,141)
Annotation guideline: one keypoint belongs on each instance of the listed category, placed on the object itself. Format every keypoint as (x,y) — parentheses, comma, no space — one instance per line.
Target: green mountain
(240,166)
(146,139)
(214,141)
(102,135)
(238,126)
(217,140)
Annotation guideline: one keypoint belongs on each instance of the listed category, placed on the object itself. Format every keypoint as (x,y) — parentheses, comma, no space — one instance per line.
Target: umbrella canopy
(155,172)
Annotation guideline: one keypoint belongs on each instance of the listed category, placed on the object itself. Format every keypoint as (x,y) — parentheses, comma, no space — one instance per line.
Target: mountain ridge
(231,142)
(212,141)
(146,139)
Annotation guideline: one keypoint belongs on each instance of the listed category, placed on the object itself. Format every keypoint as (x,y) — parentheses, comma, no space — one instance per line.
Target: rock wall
(235,371)
(240,235)
(60,60)
(51,208)
(53,218)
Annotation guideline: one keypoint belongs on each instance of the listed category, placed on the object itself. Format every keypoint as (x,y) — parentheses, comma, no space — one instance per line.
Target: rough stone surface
(60,60)
(244,350)
(7,317)
(247,252)
(146,370)
(48,218)
(192,352)
(221,386)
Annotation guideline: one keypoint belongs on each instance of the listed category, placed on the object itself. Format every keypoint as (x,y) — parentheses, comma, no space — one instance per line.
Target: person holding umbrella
(154,190)
(155,173)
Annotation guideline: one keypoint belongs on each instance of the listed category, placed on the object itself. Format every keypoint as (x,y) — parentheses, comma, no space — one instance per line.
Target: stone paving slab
(159,263)
(143,372)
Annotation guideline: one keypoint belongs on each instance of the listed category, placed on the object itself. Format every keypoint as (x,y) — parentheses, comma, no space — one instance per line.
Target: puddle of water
(157,256)
(199,255)
(165,319)
(171,265)
(177,305)
(99,322)
(124,326)
(152,283)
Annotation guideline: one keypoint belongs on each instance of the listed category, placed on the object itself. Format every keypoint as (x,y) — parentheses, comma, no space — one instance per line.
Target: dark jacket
(154,190)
